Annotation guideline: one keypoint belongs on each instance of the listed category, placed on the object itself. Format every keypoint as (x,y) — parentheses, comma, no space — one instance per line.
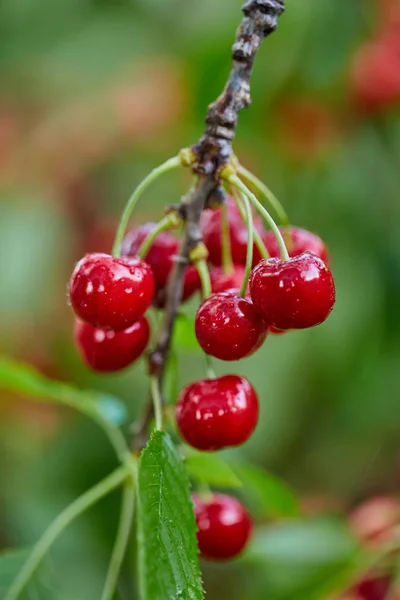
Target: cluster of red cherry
(375,76)
(111,295)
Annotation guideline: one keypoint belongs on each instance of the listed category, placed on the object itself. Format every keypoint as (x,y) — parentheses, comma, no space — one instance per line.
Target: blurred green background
(93,94)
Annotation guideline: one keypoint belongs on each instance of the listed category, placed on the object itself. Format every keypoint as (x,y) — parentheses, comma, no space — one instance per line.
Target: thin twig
(121,541)
(212,153)
(193,207)
(215,147)
(74,510)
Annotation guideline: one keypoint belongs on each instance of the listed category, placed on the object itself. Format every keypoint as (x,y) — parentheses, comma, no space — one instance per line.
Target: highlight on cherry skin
(107,351)
(212,414)
(112,293)
(224,526)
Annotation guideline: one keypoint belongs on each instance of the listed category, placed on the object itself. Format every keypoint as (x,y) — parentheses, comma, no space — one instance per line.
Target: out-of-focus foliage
(93,94)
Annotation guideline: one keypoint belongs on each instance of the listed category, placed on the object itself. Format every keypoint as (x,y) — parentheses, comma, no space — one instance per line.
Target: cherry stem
(227,262)
(61,522)
(261,247)
(209,367)
(163,225)
(266,192)
(250,245)
(204,490)
(238,183)
(204,273)
(170,164)
(121,540)
(157,402)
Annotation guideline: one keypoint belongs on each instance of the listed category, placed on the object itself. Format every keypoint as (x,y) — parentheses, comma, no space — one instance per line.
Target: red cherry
(191,283)
(217,413)
(161,254)
(375,521)
(375,77)
(299,241)
(224,526)
(211,227)
(295,294)
(222,282)
(112,293)
(105,350)
(374,588)
(306,128)
(228,327)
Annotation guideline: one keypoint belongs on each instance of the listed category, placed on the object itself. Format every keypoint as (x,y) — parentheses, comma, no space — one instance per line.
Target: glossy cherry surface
(222,282)
(228,327)
(295,294)
(224,526)
(211,226)
(112,293)
(161,254)
(298,241)
(217,413)
(107,351)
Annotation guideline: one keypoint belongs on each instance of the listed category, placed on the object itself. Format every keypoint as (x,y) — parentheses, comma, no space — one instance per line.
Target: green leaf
(168,561)
(10,565)
(268,495)
(22,379)
(211,469)
(319,554)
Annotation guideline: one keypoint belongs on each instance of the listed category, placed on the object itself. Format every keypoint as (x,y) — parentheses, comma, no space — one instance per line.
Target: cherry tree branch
(211,154)
(215,147)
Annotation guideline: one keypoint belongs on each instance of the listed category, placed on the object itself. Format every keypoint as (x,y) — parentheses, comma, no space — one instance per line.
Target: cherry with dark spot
(224,526)
(108,351)
(111,293)
(229,327)
(212,414)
